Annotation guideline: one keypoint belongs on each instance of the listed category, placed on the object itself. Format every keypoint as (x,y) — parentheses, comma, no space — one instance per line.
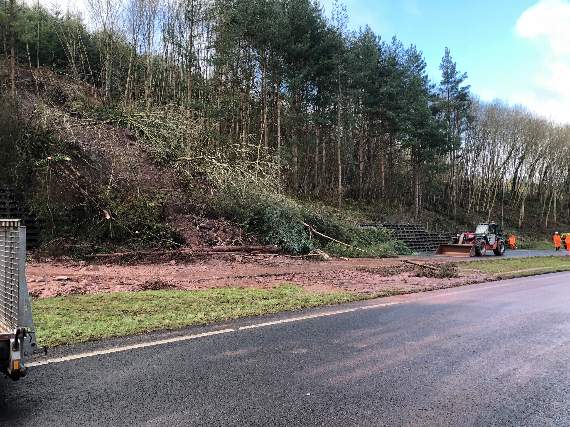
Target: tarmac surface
(488,354)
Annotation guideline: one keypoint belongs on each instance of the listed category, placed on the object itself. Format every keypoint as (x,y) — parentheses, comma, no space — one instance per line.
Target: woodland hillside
(148,118)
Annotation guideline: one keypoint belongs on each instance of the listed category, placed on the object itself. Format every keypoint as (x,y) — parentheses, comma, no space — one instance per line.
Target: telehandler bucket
(456,250)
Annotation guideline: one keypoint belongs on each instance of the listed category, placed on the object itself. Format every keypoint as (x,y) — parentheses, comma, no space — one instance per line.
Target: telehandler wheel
(480,248)
(500,251)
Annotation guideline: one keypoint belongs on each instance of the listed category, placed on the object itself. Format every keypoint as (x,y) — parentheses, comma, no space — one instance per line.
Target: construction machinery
(485,238)
(17,336)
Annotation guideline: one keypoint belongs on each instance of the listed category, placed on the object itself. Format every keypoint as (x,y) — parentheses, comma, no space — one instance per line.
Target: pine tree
(453,107)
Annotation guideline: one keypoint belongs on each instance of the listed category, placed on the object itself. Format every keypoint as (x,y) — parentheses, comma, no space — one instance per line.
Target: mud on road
(360,276)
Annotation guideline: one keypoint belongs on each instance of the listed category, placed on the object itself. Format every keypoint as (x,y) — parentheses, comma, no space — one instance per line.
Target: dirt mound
(198,231)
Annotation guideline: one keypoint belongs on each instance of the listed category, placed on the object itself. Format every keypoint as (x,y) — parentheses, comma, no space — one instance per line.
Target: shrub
(374,250)
(134,220)
(277,225)
(280,221)
(445,271)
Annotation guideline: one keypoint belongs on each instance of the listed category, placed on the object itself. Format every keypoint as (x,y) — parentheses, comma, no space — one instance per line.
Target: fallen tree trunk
(417,264)
(191,251)
(313,230)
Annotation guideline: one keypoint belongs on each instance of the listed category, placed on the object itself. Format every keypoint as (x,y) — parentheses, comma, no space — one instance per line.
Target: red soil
(361,276)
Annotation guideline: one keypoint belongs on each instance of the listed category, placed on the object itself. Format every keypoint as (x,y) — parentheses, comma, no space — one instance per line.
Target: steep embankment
(92,182)
(99,177)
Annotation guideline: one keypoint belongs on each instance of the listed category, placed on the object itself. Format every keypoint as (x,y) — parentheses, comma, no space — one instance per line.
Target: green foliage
(370,250)
(198,79)
(276,219)
(134,220)
(64,192)
(253,201)
(454,102)
(167,132)
(98,218)
(280,225)
(525,242)
(26,147)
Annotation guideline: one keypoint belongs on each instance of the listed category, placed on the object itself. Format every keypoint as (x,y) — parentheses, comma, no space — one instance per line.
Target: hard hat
(556,232)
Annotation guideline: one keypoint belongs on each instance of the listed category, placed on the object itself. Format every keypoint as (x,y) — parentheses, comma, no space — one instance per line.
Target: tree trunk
(12,48)
(360,167)
(316,183)
(548,213)
(38,39)
(127,95)
(555,216)
(339,150)
(295,159)
(324,183)
(521,213)
(417,193)
(265,107)
(382,173)
(190,55)
(277,97)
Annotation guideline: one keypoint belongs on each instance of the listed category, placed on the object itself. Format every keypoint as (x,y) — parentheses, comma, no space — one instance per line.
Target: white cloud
(549,19)
(548,23)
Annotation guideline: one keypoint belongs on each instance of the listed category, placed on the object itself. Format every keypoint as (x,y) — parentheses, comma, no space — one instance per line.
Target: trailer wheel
(500,251)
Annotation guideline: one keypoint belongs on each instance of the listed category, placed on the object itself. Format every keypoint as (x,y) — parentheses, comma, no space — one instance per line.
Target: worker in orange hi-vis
(557,241)
(512,241)
(568,243)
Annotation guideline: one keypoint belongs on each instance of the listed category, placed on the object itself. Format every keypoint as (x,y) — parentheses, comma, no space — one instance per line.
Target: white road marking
(386,304)
(128,347)
(196,336)
(262,325)
(316,316)
(298,319)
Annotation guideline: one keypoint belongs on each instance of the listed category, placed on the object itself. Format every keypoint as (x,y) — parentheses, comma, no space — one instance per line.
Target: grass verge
(535,244)
(520,267)
(81,318)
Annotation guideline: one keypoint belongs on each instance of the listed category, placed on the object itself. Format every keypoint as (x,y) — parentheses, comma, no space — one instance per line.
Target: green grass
(534,244)
(80,318)
(520,267)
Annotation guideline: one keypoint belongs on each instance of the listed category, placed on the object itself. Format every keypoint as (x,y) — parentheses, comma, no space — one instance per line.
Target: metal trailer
(17,335)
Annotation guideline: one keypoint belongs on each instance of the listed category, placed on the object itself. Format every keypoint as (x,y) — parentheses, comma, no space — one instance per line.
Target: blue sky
(515,50)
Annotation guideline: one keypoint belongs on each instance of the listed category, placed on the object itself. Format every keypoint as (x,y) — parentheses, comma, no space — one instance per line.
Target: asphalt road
(490,354)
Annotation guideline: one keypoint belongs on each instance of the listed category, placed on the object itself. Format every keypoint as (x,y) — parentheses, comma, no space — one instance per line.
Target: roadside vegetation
(264,113)
(77,318)
(536,243)
(519,267)
(80,318)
